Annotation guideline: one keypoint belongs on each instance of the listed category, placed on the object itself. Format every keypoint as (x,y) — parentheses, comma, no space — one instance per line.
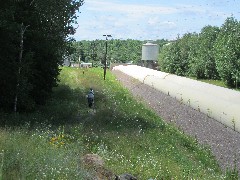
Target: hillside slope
(224,142)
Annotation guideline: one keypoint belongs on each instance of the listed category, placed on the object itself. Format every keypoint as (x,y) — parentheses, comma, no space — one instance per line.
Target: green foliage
(232,174)
(129,137)
(34,39)
(211,54)
(166,62)
(119,51)
(202,61)
(227,52)
(32,155)
(174,57)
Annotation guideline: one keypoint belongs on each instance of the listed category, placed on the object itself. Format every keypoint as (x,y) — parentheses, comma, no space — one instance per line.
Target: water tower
(150,53)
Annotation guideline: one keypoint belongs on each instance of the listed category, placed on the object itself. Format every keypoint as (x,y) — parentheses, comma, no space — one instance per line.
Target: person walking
(90,98)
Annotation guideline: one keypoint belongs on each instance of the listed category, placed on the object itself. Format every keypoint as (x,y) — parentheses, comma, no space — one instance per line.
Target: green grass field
(48,143)
(214,82)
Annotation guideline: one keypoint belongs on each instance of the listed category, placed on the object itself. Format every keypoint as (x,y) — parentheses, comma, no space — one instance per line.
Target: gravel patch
(223,141)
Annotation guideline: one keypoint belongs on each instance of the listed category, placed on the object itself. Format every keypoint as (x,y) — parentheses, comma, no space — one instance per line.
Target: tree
(165,61)
(202,61)
(118,50)
(45,40)
(227,52)
(174,58)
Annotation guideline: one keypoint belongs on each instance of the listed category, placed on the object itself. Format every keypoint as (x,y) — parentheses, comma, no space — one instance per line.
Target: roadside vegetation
(35,36)
(49,143)
(119,51)
(212,54)
(45,129)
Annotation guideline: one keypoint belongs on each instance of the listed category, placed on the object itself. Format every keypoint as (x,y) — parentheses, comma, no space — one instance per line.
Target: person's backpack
(90,95)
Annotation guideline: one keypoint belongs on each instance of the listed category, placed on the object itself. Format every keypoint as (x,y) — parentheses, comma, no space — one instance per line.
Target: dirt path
(224,142)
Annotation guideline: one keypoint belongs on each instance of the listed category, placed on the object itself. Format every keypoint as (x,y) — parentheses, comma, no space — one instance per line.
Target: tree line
(214,53)
(34,38)
(118,51)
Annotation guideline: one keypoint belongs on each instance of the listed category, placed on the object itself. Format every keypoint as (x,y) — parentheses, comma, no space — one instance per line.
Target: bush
(227,52)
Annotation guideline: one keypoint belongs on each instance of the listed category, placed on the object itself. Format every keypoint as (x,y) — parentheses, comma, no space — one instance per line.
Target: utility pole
(105,58)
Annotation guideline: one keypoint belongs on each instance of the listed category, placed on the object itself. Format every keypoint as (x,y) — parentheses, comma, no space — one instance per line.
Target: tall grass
(49,143)
(214,82)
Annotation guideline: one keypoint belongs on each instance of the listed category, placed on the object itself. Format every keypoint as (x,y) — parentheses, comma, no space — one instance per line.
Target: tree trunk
(23,29)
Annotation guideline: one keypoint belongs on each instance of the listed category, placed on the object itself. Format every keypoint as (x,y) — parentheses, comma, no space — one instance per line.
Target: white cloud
(168,23)
(107,6)
(125,19)
(153,20)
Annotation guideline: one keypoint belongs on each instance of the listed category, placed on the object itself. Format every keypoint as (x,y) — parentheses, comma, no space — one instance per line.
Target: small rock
(94,164)
(126,177)
(92,160)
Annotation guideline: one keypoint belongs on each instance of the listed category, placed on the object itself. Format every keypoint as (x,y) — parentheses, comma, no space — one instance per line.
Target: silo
(150,53)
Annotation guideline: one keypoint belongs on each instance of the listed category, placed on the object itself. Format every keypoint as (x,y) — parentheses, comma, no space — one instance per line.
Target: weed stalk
(234,124)
(1,167)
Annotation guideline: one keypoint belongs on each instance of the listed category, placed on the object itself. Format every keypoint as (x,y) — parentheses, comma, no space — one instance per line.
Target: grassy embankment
(49,143)
(215,82)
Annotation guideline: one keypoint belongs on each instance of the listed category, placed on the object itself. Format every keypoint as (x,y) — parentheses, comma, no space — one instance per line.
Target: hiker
(90,98)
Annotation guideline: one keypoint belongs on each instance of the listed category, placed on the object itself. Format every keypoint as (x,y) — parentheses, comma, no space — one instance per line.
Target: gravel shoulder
(223,141)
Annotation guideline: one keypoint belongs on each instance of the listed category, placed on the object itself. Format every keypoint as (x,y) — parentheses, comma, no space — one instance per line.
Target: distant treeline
(118,51)
(214,53)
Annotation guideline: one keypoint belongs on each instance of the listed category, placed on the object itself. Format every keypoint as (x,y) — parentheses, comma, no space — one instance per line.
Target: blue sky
(151,19)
